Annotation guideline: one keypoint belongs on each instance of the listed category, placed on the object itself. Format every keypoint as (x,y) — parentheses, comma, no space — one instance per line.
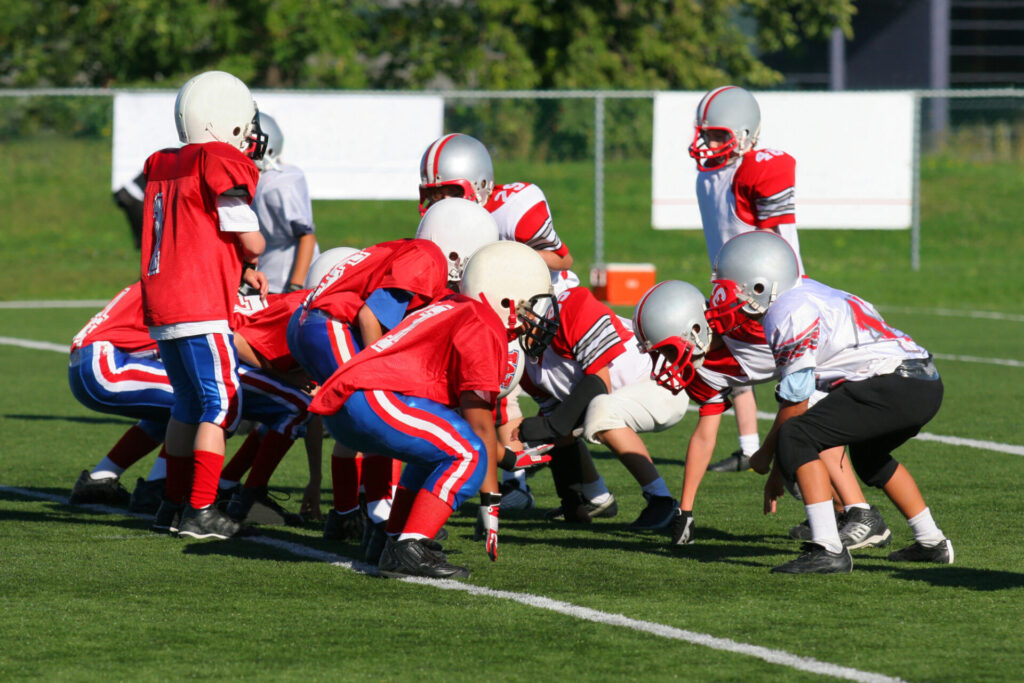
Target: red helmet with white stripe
(726,127)
(456,165)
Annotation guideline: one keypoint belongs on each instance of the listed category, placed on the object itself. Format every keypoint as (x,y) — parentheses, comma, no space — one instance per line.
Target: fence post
(598,180)
(915,209)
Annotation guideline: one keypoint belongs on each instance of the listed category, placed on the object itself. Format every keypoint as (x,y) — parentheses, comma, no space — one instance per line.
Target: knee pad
(874,471)
(793,448)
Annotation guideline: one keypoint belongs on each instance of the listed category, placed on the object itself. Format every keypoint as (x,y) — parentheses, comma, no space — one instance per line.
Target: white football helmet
(456,163)
(459,227)
(669,324)
(728,115)
(275,141)
(217,106)
(757,267)
(324,262)
(515,282)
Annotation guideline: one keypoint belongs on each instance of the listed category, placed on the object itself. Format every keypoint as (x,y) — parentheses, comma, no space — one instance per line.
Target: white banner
(349,146)
(853,151)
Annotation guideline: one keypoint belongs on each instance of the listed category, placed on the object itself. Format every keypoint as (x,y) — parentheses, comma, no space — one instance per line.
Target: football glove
(681,528)
(487,523)
(533,455)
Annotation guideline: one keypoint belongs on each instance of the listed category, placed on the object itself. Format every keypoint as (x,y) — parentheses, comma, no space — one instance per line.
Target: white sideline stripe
(780,657)
(77,303)
(976,359)
(30,344)
(952,313)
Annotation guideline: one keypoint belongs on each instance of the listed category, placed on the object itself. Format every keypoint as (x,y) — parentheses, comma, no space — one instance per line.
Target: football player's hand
(310,508)
(774,488)
(487,523)
(761,461)
(533,455)
(258,281)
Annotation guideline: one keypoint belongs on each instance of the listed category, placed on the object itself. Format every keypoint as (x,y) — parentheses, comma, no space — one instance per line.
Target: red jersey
(456,344)
(190,268)
(413,265)
(266,330)
(120,323)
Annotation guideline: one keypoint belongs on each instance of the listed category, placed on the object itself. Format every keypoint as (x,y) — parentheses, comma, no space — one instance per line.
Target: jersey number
(158,231)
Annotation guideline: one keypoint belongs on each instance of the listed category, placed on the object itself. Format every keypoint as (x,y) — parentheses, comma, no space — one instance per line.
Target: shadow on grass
(949,576)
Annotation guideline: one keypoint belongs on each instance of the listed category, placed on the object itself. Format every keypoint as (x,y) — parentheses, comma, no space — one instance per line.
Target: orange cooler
(622,284)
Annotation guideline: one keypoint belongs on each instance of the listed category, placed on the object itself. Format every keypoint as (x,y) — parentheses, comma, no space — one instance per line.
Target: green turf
(92,596)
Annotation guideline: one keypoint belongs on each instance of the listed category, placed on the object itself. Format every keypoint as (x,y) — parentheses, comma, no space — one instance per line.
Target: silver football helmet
(514,281)
(756,267)
(456,165)
(669,324)
(216,106)
(459,227)
(275,141)
(729,116)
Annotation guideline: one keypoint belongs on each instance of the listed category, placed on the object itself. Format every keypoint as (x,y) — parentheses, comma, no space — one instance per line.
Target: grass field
(90,594)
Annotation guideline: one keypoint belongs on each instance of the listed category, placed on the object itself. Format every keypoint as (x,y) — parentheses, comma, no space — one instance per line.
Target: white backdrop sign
(854,157)
(349,146)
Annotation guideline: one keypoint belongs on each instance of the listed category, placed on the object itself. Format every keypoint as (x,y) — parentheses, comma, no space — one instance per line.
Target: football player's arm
(314,442)
(247,354)
(698,456)
(370,329)
(303,259)
(569,413)
(556,261)
(477,412)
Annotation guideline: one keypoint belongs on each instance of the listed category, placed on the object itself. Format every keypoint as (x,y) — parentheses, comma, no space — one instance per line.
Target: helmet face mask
(454,162)
(257,139)
(675,366)
(540,323)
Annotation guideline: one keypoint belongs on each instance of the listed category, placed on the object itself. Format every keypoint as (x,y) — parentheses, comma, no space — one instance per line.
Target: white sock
(749,443)
(823,525)
(601,498)
(106,470)
(658,487)
(594,489)
(158,471)
(378,510)
(405,537)
(926,532)
(518,475)
(862,506)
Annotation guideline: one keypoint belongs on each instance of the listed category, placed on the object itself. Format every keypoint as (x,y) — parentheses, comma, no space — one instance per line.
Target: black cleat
(864,528)
(416,557)
(106,491)
(147,495)
(168,517)
(583,511)
(681,528)
(657,515)
(207,522)
(816,559)
(374,538)
(737,462)
(344,526)
(940,553)
(254,505)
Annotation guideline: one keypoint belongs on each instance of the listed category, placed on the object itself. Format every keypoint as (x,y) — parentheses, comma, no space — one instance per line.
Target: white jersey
(838,334)
(755,192)
(285,213)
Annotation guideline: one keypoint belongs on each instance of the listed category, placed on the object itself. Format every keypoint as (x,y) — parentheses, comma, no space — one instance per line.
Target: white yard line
(779,657)
(39,345)
(77,303)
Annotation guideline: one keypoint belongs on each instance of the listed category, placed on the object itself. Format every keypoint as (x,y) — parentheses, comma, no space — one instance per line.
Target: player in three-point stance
(425,393)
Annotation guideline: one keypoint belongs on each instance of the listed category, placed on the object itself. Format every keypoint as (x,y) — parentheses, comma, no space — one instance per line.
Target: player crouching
(424,393)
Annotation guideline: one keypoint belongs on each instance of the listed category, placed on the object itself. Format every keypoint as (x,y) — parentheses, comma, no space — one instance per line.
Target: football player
(285,211)
(594,376)
(882,388)
(359,299)
(424,393)
(199,240)
(459,165)
(740,188)
(708,353)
